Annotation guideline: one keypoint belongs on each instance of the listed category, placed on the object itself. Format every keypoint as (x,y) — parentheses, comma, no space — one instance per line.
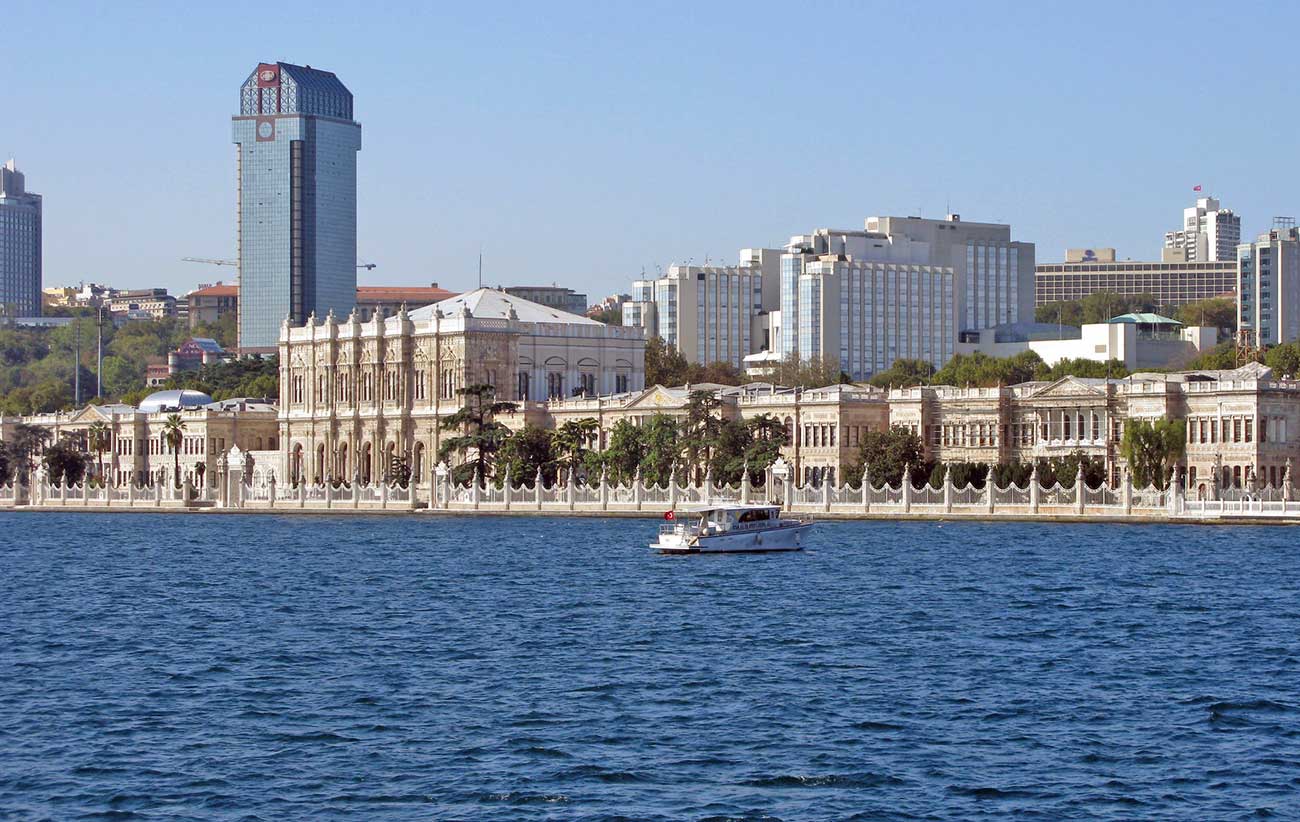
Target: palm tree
(173,435)
(100,439)
(574,437)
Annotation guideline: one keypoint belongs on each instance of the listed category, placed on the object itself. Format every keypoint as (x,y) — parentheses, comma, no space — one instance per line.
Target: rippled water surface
(224,667)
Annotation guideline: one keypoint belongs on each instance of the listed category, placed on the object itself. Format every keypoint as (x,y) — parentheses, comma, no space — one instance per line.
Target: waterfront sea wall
(234,493)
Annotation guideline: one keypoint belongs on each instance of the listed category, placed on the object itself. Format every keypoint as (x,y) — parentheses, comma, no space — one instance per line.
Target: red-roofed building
(210,303)
(388,299)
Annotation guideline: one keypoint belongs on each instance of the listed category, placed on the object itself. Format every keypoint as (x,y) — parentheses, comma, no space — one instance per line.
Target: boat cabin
(721,519)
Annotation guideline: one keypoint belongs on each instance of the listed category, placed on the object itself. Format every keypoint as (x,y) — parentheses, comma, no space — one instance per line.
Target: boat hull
(786,538)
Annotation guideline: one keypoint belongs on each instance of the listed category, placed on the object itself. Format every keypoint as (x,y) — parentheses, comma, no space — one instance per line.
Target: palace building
(356,395)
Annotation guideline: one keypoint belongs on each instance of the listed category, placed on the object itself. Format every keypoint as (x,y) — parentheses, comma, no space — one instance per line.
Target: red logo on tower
(268,75)
(265,129)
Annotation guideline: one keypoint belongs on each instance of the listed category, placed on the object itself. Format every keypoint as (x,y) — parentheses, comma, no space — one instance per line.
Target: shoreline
(819,516)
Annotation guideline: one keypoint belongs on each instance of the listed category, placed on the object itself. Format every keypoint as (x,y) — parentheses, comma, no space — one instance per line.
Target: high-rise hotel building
(20,245)
(1268,287)
(1209,233)
(297,158)
(904,287)
(710,313)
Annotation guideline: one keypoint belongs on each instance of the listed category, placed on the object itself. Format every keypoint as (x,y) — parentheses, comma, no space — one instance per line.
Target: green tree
(662,447)
(1083,368)
(1222,357)
(700,430)
(1152,449)
(729,451)
(883,455)
(65,462)
(904,373)
(524,453)
(480,431)
(664,364)
(1284,359)
(767,436)
(174,434)
(981,370)
(572,440)
(1215,312)
(22,446)
(796,372)
(626,451)
(100,436)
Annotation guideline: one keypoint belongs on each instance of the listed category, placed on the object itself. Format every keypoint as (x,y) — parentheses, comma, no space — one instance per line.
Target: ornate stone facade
(354,395)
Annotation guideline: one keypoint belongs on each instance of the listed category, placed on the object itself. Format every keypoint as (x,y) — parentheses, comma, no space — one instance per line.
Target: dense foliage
(1153,448)
(1098,307)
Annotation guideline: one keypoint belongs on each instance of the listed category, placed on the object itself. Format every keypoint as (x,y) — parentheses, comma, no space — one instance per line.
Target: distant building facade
(903,287)
(141,304)
(1268,288)
(387,300)
(20,245)
(209,303)
(565,299)
(709,313)
(1209,233)
(297,171)
(1087,271)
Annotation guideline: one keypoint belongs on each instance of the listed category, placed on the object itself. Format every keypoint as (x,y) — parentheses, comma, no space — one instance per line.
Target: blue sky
(582,143)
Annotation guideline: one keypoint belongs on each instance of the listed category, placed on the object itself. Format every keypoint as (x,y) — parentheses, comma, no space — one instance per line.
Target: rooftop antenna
(480,266)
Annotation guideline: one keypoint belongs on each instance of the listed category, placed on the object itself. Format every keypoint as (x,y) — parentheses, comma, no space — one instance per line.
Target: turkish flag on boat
(1196,188)
(670,515)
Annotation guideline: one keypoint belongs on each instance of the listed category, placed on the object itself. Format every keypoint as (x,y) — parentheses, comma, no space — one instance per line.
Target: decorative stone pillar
(1079,490)
(270,495)
(604,488)
(383,492)
(947,489)
(866,492)
(744,485)
(356,488)
(672,487)
(826,495)
(1175,502)
(187,490)
(637,488)
(1126,480)
(476,492)
(907,489)
(537,489)
(1035,490)
(506,490)
(157,492)
(302,492)
(569,487)
(707,496)
(990,489)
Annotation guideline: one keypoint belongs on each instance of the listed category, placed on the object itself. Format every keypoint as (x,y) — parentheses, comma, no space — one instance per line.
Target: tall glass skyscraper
(20,245)
(297,155)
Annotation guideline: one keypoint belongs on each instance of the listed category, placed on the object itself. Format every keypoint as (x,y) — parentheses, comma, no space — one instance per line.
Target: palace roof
(489,303)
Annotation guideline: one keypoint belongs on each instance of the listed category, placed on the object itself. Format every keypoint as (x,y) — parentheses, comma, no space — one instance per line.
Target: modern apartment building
(710,313)
(1209,233)
(20,245)
(297,170)
(903,287)
(1087,271)
(1268,287)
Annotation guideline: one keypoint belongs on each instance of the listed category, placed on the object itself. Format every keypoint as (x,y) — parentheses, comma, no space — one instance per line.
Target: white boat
(730,529)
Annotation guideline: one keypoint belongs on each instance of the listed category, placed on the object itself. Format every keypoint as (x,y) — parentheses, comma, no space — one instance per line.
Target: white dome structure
(173,400)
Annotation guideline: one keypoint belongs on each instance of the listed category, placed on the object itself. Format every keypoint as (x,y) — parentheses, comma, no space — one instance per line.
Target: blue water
(259,668)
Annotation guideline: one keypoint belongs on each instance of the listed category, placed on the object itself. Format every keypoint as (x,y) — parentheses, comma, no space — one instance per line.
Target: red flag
(1196,188)
(669,515)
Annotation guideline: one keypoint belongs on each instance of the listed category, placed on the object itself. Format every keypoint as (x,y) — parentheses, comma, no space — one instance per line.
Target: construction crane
(209,261)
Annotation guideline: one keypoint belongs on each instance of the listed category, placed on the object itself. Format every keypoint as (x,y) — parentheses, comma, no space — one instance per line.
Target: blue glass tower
(297,154)
(20,245)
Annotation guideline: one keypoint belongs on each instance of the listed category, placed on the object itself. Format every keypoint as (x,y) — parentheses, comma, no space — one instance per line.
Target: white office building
(1209,233)
(903,287)
(1268,287)
(710,313)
